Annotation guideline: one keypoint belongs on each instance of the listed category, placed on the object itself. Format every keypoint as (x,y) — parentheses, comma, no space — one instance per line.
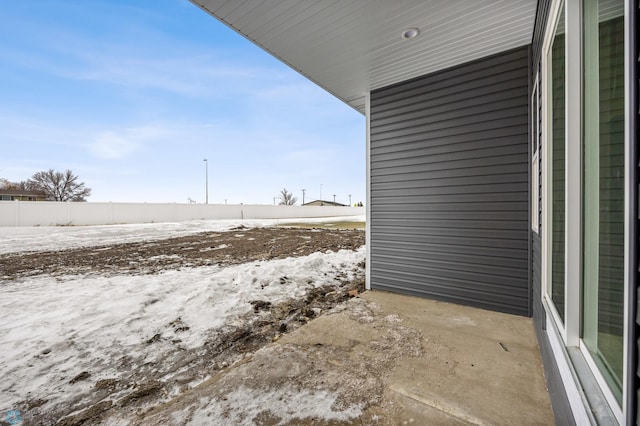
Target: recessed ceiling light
(410,33)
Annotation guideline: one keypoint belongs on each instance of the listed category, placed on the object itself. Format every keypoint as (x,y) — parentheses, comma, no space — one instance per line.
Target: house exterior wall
(573,352)
(450,185)
(450,169)
(536,247)
(13,195)
(559,401)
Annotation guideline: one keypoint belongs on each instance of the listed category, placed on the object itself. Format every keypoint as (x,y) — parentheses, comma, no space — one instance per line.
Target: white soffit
(350,47)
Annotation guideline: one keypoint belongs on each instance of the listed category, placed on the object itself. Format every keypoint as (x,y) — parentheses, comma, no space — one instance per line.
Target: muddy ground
(145,387)
(233,247)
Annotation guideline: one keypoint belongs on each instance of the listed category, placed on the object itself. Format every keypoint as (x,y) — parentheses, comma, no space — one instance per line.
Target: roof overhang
(350,47)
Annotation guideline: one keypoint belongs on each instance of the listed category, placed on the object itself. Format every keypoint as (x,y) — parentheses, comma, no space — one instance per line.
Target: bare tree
(18,186)
(60,186)
(287,198)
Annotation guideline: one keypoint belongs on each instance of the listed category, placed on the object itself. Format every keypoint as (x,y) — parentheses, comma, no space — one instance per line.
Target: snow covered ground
(39,238)
(54,328)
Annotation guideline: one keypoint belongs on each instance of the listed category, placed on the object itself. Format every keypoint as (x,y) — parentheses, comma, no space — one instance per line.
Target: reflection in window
(603,224)
(556,69)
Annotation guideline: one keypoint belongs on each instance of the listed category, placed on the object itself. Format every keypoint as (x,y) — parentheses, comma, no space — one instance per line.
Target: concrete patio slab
(382,359)
(479,367)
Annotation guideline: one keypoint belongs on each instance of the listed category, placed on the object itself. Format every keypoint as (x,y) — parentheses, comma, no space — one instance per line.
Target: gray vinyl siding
(557,394)
(539,316)
(449,185)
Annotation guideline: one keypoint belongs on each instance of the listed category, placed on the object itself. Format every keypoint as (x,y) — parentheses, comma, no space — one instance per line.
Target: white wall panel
(46,213)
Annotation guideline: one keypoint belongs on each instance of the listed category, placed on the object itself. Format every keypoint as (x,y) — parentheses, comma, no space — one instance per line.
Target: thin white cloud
(139,60)
(112,146)
(196,74)
(310,156)
(122,143)
(115,145)
(191,72)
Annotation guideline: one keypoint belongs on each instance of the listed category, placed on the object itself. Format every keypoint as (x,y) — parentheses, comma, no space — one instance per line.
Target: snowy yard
(37,238)
(82,342)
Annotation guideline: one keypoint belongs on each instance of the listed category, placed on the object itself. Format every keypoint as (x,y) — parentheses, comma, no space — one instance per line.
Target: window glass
(603,213)
(556,70)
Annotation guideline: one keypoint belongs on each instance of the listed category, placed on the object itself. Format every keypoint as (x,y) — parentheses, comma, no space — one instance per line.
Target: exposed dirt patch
(90,416)
(237,246)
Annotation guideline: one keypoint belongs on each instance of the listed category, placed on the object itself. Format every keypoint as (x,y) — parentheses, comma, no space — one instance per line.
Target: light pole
(334,198)
(303,191)
(349,200)
(206,180)
(321,193)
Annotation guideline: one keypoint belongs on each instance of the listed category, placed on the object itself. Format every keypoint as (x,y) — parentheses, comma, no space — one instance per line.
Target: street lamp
(349,200)
(206,180)
(321,193)
(303,191)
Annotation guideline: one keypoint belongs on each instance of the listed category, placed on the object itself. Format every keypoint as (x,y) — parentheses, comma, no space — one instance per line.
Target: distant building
(324,203)
(21,195)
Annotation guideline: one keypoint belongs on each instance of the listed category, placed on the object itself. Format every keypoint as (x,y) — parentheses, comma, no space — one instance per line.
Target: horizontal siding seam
(482,288)
(385,106)
(434,150)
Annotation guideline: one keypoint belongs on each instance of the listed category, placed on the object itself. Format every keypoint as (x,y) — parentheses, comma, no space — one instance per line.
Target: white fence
(48,213)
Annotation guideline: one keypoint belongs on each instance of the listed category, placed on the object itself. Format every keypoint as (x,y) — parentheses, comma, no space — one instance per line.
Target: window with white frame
(555,157)
(535,159)
(585,298)
(603,188)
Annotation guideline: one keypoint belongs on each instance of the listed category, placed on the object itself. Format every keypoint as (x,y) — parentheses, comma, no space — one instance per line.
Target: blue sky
(133,95)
